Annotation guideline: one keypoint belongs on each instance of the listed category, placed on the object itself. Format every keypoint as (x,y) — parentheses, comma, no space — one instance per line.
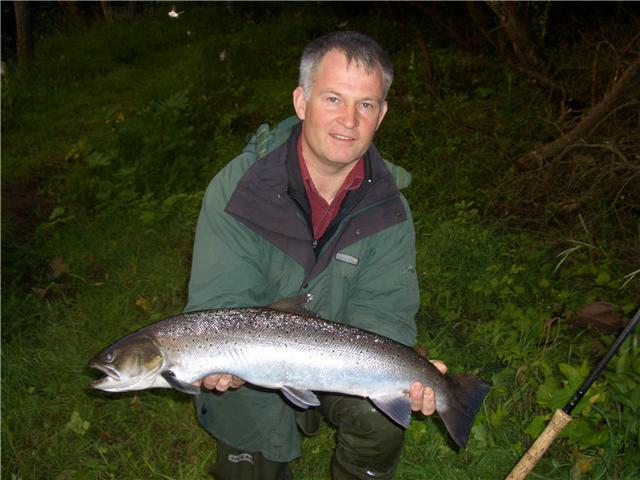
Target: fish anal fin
(298,305)
(300,397)
(396,406)
(179,385)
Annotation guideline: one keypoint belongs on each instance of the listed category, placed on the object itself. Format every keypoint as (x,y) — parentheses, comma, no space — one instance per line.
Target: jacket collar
(271,194)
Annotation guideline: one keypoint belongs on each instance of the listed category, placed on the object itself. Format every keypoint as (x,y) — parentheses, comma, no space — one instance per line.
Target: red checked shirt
(322,213)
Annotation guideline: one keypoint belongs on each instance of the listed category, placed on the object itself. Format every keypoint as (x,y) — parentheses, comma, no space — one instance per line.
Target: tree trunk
(24,36)
(583,129)
(72,10)
(106,11)
(517,31)
(134,8)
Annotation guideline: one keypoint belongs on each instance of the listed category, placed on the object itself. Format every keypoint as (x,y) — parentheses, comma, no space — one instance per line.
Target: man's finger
(211,381)
(428,401)
(223,383)
(416,394)
(236,382)
(439,364)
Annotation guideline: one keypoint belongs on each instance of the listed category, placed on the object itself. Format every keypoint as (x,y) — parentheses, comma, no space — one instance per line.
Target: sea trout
(288,348)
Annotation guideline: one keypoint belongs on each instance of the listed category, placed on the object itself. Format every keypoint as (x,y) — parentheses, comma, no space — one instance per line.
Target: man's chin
(345,158)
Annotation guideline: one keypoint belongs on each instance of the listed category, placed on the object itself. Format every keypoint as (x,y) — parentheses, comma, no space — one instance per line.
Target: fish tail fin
(466,393)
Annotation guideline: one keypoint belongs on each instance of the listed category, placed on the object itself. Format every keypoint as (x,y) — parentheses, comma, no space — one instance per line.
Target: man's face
(344,109)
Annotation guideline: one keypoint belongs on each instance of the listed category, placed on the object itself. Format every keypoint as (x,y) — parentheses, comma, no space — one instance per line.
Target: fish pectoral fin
(300,397)
(179,385)
(396,407)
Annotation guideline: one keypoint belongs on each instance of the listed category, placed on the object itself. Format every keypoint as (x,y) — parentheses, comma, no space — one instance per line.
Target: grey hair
(357,47)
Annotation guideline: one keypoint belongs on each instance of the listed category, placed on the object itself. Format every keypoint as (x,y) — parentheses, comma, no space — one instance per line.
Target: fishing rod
(562,417)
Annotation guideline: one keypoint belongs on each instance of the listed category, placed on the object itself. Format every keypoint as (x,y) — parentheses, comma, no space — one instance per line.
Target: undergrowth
(127,123)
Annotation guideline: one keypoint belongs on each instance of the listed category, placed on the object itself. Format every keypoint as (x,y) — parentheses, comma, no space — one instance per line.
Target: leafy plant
(126,124)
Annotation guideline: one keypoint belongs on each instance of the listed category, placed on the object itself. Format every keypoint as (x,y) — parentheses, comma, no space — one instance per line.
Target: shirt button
(357,231)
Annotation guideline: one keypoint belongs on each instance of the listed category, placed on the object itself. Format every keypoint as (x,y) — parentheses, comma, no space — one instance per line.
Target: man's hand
(423,398)
(220,382)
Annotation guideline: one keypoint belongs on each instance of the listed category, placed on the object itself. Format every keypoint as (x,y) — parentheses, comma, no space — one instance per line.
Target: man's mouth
(343,138)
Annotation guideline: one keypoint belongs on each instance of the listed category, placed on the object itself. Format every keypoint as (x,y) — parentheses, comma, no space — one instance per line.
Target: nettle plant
(609,413)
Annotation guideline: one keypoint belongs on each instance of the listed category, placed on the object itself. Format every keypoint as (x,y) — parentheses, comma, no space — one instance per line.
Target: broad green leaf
(536,426)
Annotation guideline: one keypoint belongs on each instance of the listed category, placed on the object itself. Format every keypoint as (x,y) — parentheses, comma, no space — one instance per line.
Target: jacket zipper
(349,217)
(305,282)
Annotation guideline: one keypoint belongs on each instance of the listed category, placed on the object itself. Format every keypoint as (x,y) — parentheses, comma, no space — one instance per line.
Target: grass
(126,125)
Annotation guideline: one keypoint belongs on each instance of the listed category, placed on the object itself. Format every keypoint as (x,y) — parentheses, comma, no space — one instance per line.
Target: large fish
(287,347)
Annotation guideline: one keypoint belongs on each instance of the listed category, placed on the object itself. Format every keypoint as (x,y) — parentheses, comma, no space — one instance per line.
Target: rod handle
(532,456)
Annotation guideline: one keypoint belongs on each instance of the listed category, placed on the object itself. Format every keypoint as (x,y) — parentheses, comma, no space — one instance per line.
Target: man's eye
(368,106)
(332,99)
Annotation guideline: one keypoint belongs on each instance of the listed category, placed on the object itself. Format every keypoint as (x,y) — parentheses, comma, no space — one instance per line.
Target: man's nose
(349,117)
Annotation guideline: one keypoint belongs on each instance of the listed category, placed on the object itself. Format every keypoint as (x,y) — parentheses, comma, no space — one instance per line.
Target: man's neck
(328,181)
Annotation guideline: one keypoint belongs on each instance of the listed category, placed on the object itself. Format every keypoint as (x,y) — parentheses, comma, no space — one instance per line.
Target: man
(312,208)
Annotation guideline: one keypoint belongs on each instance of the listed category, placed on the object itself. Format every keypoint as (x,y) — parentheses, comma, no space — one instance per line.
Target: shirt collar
(352,182)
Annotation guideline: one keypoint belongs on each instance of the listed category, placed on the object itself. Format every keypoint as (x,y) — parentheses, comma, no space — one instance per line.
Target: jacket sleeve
(224,270)
(385,296)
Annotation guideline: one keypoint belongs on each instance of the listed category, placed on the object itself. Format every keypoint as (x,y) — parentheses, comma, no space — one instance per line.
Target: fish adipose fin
(297,305)
(184,387)
(300,398)
(396,407)
(466,395)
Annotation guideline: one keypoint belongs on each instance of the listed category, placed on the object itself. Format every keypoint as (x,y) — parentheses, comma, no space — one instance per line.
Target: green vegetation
(107,145)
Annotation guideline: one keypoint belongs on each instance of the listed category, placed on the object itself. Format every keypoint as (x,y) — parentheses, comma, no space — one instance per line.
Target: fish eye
(108,357)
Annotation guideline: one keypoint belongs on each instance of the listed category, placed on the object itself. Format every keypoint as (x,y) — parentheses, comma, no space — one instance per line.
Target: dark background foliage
(518,122)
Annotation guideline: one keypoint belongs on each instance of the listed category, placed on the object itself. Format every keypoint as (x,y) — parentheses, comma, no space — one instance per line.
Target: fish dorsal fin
(396,407)
(300,397)
(298,305)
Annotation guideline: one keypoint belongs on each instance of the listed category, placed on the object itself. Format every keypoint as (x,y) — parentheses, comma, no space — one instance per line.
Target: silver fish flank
(285,347)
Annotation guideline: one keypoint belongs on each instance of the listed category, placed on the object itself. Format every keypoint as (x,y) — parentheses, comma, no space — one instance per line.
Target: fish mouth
(109,371)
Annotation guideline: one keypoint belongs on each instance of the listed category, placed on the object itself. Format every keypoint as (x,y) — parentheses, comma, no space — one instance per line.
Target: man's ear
(383,112)
(299,102)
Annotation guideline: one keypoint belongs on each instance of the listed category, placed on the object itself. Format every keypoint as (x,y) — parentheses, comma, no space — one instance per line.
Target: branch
(447,25)
(480,21)
(430,77)
(597,113)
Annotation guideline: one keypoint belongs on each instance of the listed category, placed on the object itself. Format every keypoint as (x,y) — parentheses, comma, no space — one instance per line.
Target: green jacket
(254,246)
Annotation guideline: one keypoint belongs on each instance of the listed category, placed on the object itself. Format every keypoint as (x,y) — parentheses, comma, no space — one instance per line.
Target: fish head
(133,363)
